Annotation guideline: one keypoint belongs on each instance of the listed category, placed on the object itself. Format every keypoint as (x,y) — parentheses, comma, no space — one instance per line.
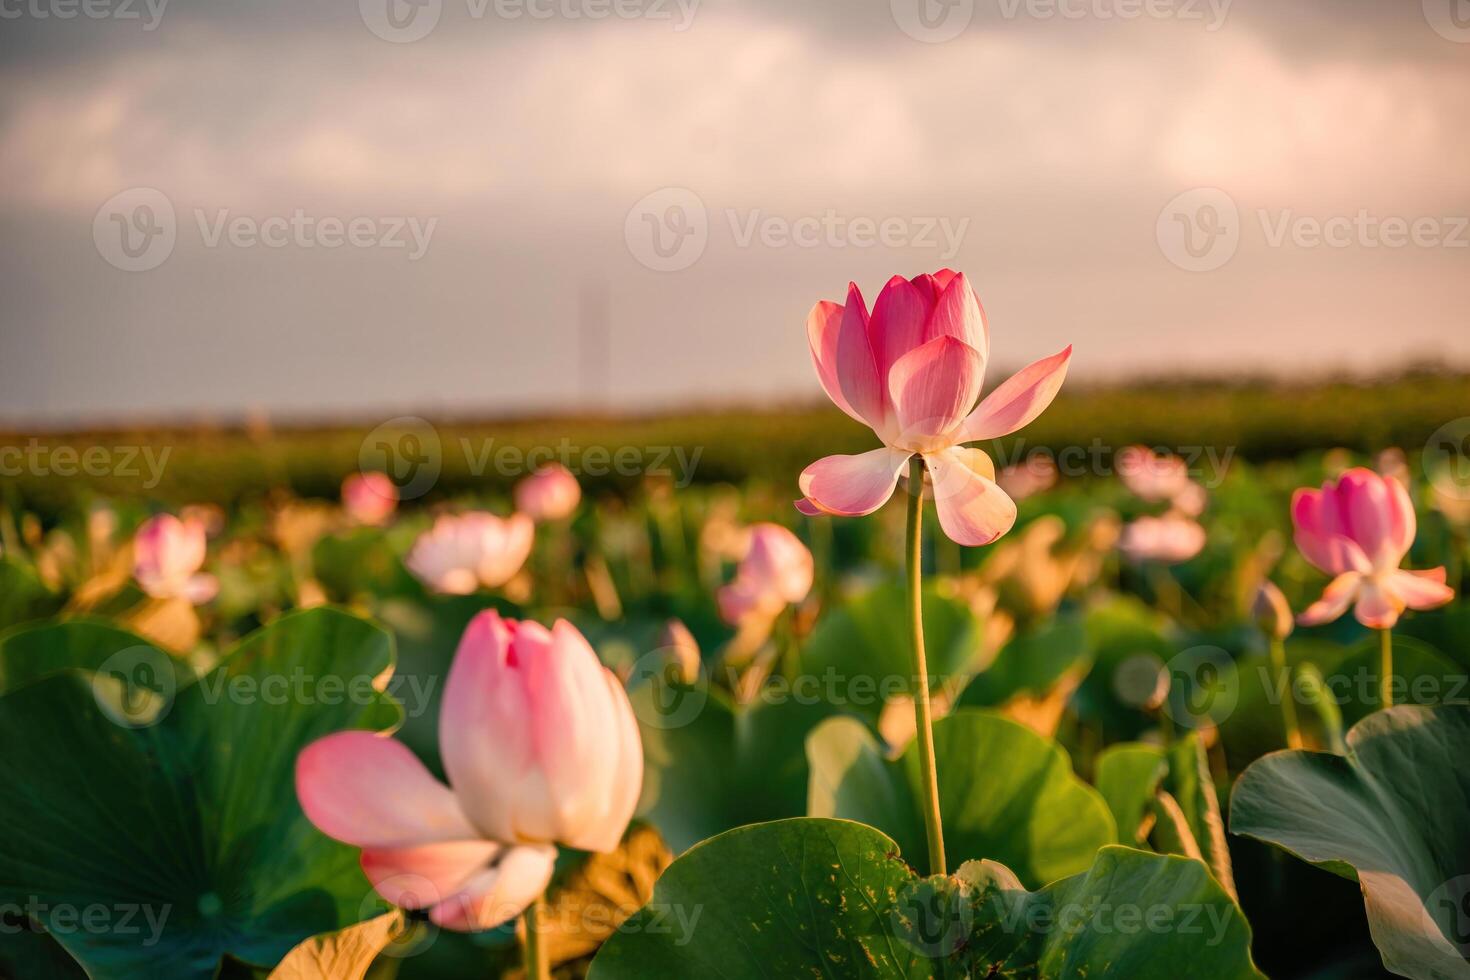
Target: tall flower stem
(923,716)
(1288,693)
(538,963)
(1386,666)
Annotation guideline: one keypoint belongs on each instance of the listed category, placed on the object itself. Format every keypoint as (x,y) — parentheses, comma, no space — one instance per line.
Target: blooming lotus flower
(912,372)
(1021,480)
(167,556)
(538,737)
(540,746)
(1156,478)
(461,553)
(775,572)
(1170,539)
(369,498)
(549,494)
(1359,528)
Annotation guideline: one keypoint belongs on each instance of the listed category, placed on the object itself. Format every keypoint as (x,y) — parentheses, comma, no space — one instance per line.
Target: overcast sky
(352,209)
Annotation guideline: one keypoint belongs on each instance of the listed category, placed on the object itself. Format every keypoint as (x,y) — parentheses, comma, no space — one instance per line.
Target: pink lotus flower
(167,556)
(912,372)
(1170,539)
(1155,478)
(1359,529)
(538,738)
(1037,474)
(775,572)
(461,553)
(369,498)
(540,746)
(550,494)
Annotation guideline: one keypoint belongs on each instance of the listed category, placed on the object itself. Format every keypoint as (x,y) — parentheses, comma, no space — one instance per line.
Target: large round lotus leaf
(1005,793)
(831,898)
(157,844)
(1395,813)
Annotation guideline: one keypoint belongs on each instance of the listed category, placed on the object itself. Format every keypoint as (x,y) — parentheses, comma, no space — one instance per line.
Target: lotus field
(921,705)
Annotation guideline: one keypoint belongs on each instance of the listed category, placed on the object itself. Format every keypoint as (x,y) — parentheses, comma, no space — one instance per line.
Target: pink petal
(823,326)
(851,486)
(808,508)
(1403,524)
(899,319)
(1019,399)
(958,314)
(933,387)
(943,278)
(1377,608)
(499,893)
(1371,515)
(858,372)
(200,589)
(627,768)
(1335,600)
(973,510)
(484,737)
(1318,536)
(574,725)
(418,877)
(370,791)
(1423,589)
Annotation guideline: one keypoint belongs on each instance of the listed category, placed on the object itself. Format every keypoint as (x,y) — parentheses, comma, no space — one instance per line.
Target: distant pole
(594,339)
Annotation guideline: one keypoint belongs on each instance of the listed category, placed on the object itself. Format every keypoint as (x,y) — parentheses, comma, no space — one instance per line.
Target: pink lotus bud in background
(369,498)
(550,494)
(776,572)
(167,556)
(1271,610)
(912,372)
(462,553)
(420,851)
(1037,474)
(1155,478)
(538,737)
(1359,528)
(1169,540)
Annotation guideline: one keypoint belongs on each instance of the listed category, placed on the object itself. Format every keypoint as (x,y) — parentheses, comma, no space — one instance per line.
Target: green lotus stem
(538,964)
(1386,666)
(923,716)
(1288,694)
